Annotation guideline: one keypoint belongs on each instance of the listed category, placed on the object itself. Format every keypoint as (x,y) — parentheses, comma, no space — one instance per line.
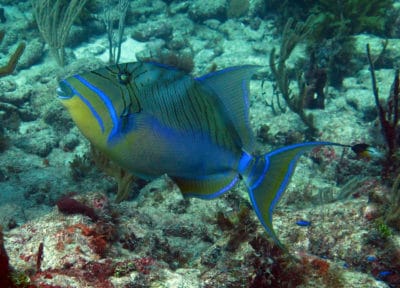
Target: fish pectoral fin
(208,187)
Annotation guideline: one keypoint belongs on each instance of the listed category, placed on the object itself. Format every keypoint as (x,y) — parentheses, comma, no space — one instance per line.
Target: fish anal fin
(208,187)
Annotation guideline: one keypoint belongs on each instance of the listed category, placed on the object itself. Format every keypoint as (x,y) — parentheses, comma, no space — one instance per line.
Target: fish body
(171,132)
(153,119)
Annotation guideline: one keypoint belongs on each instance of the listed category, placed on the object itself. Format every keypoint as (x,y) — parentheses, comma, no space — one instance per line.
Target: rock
(155,29)
(8,86)
(57,117)
(37,141)
(33,54)
(199,12)
(17,99)
(143,9)
(257,8)
(181,7)
(69,142)
(387,60)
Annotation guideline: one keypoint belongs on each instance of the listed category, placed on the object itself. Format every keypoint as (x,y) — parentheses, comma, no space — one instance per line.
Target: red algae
(69,205)
(5,269)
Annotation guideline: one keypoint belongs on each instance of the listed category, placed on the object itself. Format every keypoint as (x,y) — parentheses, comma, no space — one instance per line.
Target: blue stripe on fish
(249,176)
(107,102)
(87,103)
(244,162)
(262,175)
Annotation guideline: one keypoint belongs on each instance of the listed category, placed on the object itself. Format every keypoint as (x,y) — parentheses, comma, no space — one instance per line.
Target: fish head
(89,107)
(104,103)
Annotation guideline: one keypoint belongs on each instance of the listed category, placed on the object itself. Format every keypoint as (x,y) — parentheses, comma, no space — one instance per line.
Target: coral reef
(353,15)
(389,118)
(338,219)
(284,271)
(334,27)
(332,38)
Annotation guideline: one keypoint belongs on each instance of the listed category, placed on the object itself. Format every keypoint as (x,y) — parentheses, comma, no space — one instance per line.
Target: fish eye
(124,77)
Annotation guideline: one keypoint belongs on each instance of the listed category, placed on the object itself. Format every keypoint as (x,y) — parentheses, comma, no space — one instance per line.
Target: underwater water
(97,167)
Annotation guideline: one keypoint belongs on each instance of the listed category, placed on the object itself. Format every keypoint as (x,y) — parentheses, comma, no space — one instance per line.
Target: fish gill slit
(121,91)
(133,91)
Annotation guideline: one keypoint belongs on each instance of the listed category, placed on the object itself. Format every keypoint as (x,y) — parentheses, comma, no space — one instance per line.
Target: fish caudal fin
(267,177)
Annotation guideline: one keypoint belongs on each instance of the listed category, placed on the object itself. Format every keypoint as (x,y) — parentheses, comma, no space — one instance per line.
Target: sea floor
(329,218)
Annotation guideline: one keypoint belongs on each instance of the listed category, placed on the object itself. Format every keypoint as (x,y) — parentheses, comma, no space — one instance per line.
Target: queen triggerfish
(153,119)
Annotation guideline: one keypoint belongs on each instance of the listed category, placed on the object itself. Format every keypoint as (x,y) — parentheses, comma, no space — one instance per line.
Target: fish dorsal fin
(151,73)
(207,187)
(232,87)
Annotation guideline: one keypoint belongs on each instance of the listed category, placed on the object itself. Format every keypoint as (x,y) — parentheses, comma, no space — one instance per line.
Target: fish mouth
(64,91)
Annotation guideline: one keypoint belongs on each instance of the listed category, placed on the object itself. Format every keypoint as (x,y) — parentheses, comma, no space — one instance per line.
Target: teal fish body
(153,119)
(148,123)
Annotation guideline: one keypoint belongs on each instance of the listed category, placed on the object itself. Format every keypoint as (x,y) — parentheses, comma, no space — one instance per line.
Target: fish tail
(267,177)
